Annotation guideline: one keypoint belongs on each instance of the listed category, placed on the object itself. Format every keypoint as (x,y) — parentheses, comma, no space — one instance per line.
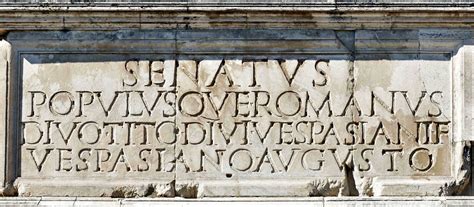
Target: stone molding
(263,202)
(73,17)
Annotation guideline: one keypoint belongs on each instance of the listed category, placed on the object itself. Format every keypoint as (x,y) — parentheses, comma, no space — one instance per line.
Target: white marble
(238,113)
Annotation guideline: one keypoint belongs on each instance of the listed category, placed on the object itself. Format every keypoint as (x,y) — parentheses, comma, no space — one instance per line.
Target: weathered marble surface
(5,50)
(241,2)
(215,113)
(263,202)
(91,17)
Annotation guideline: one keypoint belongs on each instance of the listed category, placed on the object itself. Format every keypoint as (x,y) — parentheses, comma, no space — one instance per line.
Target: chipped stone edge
(5,55)
(462,115)
(296,187)
(89,187)
(460,142)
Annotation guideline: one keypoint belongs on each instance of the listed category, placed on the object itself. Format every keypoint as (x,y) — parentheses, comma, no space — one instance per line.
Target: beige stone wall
(241,102)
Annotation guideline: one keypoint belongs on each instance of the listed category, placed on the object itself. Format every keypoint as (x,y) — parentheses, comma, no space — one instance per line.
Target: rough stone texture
(197,101)
(4,63)
(243,136)
(333,17)
(84,131)
(215,113)
(226,201)
(239,2)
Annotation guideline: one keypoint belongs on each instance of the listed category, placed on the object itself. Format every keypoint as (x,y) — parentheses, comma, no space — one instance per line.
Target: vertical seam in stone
(5,127)
(349,44)
(5,107)
(418,57)
(173,182)
(39,201)
(15,169)
(74,202)
(350,178)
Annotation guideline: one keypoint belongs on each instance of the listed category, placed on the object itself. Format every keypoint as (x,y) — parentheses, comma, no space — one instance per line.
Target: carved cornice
(239,17)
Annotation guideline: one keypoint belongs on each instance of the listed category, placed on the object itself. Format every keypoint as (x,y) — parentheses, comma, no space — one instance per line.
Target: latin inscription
(234,117)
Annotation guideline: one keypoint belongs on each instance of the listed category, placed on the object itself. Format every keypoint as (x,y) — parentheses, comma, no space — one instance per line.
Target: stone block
(385,202)
(17,201)
(109,133)
(5,54)
(457,201)
(240,113)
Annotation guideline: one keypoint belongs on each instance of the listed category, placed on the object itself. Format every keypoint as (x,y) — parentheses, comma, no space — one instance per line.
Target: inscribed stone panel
(100,119)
